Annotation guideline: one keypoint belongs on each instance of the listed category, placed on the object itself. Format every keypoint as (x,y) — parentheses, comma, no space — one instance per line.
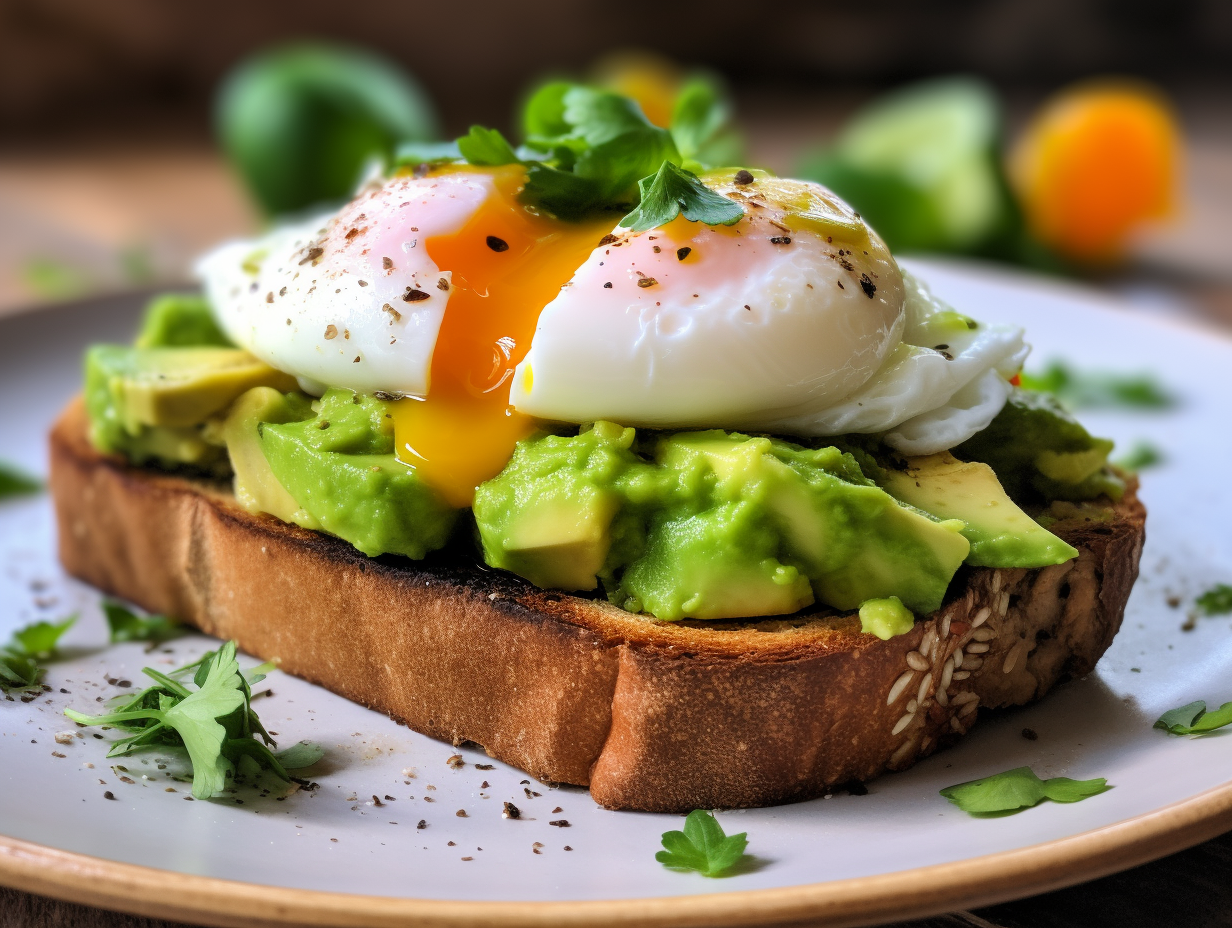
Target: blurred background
(1090,139)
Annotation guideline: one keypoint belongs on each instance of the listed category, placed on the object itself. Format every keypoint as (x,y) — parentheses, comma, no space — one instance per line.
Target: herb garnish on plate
(215,722)
(1018,789)
(702,846)
(125,625)
(1194,719)
(19,659)
(1215,601)
(14,482)
(1098,389)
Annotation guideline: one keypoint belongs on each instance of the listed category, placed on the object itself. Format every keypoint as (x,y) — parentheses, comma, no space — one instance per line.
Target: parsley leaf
(487,147)
(215,722)
(14,482)
(19,659)
(1215,601)
(125,625)
(40,639)
(673,191)
(1018,789)
(1092,389)
(702,846)
(429,153)
(1141,456)
(1194,719)
(701,125)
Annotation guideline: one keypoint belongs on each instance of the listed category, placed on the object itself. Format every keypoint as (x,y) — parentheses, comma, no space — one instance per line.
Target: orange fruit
(1097,162)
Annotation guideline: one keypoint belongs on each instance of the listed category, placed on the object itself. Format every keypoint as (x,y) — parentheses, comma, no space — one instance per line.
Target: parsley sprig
(1194,719)
(126,625)
(214,721)
(587,149)
(702,846)
(20,667)
(1215,601)
(1018,789)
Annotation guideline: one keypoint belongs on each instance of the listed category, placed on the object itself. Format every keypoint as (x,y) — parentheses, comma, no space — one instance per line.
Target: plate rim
(918,892)
(915,893)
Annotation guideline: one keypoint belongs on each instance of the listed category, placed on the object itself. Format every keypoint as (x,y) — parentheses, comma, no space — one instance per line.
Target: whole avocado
(301,122)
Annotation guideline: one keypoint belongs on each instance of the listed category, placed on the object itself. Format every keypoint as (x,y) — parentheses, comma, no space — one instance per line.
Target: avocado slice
(1001,534)
(128,388)
(256,487)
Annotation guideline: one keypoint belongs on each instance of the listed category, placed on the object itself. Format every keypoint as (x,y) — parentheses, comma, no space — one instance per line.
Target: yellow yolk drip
(507,264)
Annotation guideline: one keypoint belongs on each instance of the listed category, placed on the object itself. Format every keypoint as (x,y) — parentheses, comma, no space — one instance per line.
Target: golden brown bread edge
(656,716)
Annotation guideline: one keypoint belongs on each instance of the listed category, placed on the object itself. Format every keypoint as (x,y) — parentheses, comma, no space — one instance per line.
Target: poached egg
(482,317)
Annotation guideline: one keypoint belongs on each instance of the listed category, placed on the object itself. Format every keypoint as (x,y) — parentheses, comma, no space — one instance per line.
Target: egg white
(326,300)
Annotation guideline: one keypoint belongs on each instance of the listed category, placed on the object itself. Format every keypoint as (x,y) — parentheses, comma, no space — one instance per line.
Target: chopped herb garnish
(1141,456)
(14,482)
(214,722)
(19,659)
(1089,389)
(1215,601)
(588,149)
(125,625)
(1193,719)
(702,846)
(1018,789)
(673,191)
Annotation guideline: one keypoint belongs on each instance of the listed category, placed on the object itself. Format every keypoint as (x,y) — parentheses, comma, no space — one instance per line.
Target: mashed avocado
(710,525)
(339,467)
(1041,453)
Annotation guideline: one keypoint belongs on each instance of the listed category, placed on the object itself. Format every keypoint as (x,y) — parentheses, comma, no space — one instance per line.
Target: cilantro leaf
(1215,601)
(40,639)
(1194,719)
(18,672)
(215,722)
(14,482)
(125,625)
(1018,789)
(486,147)
(673,191)
(1098,389)
(702,846)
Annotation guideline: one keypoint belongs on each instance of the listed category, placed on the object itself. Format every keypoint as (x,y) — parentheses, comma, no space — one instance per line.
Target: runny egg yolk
(507,263)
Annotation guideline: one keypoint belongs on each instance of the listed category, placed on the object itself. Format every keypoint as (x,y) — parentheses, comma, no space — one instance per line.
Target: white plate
(845,858)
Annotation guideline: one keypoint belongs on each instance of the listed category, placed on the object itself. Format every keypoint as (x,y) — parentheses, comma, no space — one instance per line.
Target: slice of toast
(650,715)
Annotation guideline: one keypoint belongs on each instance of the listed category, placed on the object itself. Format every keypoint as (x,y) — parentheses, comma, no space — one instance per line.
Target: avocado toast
(649,715)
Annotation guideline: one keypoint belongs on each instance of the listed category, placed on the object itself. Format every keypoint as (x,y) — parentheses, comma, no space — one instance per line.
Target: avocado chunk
(180,320)
(256,487)
(709,525)
(1041,453)
(1001,534)
(340,470)
(885,618)
(567,509)
(721,563)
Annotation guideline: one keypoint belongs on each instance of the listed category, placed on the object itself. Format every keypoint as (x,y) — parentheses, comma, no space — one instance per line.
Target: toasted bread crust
(649,715)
